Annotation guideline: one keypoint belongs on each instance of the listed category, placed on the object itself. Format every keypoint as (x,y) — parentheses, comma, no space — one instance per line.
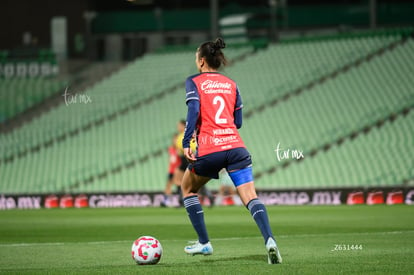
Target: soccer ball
(146,250)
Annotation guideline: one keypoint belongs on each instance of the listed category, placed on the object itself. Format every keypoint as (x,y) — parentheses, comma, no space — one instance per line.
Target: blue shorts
(210,165)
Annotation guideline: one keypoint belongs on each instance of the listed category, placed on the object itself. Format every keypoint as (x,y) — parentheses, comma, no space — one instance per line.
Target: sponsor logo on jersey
(220,141)
(215,87)
(210,84)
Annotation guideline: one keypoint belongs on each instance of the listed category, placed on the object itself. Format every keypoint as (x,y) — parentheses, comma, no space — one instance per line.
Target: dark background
(34,16)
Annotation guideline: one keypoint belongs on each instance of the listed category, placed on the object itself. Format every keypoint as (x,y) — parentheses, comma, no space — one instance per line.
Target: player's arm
(238,117)
(192,115)
(193,105)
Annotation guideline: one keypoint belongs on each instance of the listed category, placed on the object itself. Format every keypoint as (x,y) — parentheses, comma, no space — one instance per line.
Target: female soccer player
(215,114)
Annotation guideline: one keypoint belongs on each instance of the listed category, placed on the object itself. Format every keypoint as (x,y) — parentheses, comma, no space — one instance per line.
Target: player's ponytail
(212,53)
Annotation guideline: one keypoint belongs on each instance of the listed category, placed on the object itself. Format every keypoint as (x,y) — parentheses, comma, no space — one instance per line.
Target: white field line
(214,239)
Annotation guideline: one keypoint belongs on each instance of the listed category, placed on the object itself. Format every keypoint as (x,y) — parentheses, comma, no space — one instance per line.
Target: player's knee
(185,189)
(189,189)
(247,192)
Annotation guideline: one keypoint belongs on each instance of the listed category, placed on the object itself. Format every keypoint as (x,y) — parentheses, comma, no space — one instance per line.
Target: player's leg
(243,180)
(241,173)
(257,209)
(247,193)
(204,193)
(167,191)
(180,170)
(169,184)
(177,179)
(190,185)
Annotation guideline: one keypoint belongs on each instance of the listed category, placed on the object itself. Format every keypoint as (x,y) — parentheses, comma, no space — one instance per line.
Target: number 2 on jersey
(217,118)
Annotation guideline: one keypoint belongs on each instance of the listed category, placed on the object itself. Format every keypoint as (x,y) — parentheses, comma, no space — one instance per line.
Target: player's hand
(189,155)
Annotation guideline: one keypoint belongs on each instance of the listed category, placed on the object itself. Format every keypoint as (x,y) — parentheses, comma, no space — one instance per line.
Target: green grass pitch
(89,241)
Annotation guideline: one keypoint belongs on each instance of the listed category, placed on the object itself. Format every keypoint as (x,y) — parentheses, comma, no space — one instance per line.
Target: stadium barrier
(371,196)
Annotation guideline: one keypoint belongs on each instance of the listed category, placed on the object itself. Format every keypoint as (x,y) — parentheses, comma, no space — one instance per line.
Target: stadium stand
(351,84)
(284,67)
(378,158)
(339,108)
(17,95)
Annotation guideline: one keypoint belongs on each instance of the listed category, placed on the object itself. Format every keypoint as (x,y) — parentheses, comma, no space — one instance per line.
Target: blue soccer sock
(259,214)
(196,214)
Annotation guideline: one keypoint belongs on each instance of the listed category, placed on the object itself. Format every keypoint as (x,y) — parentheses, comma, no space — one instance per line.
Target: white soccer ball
(146,250)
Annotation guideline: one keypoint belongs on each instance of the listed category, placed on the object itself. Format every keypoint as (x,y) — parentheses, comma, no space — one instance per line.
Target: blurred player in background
(206,197)
(214,113)
(227,193)
(179,171)
(173,162)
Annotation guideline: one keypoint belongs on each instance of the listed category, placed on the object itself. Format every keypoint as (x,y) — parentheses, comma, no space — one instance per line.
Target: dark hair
(211,51)
(182,122)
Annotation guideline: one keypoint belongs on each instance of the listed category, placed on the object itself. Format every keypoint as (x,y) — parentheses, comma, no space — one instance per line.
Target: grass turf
(88,241)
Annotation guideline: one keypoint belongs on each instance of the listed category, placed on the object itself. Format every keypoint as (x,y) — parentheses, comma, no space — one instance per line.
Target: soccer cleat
(273,254)
(198,248)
